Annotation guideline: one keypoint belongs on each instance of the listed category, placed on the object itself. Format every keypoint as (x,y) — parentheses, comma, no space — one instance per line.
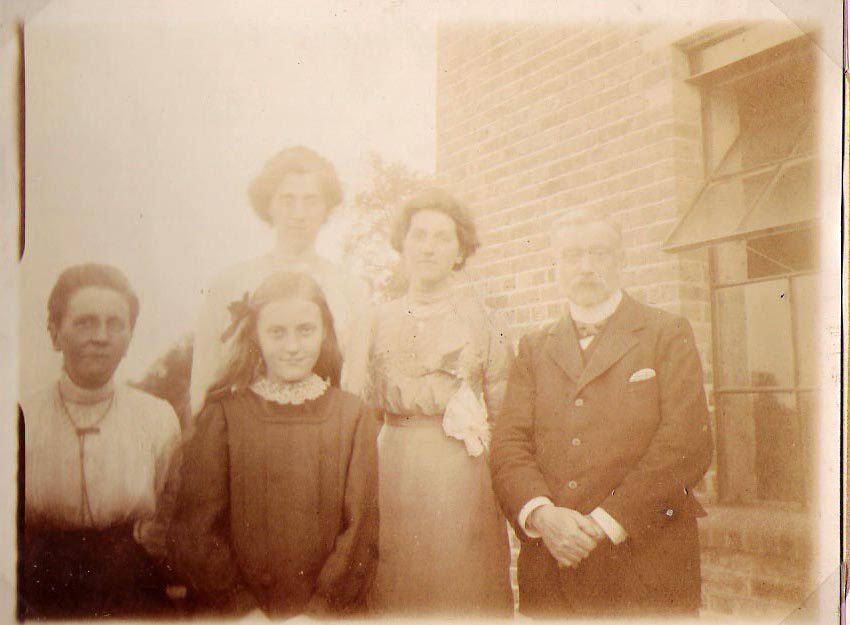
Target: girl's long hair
(245,362)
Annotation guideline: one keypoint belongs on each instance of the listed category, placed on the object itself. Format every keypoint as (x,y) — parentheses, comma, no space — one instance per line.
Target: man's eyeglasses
(573,255)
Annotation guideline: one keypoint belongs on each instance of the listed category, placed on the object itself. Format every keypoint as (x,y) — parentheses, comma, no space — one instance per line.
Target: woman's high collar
(426,297)
(75,394)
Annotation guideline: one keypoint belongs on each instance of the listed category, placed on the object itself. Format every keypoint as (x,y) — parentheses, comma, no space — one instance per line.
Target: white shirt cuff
(609,525)
(526,511)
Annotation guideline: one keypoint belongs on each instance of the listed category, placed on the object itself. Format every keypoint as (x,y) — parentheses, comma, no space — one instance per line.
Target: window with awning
(767,179)
(757,215)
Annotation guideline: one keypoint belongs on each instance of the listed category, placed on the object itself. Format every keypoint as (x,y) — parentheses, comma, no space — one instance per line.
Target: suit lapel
(562,346)
(615,341)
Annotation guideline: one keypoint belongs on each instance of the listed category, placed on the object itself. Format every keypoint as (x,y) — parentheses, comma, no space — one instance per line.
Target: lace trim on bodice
(296,393)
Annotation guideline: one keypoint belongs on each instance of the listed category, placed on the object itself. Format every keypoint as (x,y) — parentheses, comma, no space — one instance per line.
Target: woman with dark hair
(97,456)
(294,194)
(438,367)
(278,510)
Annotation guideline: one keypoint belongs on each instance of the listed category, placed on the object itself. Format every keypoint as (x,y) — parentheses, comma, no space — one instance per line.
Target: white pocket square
(641,375)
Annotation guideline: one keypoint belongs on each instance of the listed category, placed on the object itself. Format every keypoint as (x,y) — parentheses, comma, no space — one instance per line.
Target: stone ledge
(758,531)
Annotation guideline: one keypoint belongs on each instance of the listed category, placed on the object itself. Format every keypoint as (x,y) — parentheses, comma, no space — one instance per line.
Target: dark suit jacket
(585,436)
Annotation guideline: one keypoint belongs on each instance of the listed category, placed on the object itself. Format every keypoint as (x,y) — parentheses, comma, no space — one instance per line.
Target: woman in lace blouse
(278,509)
(438,367)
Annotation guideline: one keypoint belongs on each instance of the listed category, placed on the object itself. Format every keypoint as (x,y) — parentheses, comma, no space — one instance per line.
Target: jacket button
(573,484)
(579,402)
(576,442)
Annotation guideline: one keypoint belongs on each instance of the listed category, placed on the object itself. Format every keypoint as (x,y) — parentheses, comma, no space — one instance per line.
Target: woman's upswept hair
(294,160)
(245,360)
(441,201)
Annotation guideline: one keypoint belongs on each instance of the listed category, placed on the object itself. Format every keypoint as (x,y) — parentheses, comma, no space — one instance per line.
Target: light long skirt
(443,546)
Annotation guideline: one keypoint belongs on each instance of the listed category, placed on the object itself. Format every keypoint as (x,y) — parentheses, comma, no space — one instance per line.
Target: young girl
(278,509)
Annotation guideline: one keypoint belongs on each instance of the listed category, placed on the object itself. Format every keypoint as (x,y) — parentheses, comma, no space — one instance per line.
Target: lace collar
(311,387)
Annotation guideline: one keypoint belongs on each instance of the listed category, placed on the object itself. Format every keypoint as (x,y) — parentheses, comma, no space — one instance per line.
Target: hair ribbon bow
(239,310)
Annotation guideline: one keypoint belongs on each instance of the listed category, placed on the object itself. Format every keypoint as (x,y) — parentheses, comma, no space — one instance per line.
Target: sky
(146,124)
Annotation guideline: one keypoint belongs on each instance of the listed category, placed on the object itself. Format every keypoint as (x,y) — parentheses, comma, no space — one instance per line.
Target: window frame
(773,49)
(790,47)
(719,391)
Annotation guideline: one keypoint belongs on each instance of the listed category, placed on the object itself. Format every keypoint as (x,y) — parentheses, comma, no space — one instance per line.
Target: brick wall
(534,121)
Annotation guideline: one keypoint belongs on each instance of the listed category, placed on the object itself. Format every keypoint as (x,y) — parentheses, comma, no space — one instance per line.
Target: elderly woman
(434,355)
(294,194)
(97,455)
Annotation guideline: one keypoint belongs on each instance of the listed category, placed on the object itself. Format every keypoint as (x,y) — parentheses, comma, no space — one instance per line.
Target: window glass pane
(793,199)
(719,209)
(754,328)
(762,448)
(806,143)
(808,329)
(780,92)
(768,140)
(782,253)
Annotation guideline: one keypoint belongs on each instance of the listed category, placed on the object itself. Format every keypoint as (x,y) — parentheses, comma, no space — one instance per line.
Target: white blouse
(132,439)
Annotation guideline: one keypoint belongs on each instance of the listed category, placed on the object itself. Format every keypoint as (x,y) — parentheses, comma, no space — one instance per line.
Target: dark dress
(279,506)
(89,573)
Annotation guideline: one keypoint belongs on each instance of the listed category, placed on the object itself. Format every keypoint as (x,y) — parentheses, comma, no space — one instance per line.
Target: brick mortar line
(541,169)
(610,197)
(547,302)
(491,77)
(562,76)
(595,182)
(672,261)
(466,121)
(584,168)
(516,224)
(550,301)
(489,264)
(582,135)
(778,604)
(527,26)
(455,42)
(545,285)
(463,141)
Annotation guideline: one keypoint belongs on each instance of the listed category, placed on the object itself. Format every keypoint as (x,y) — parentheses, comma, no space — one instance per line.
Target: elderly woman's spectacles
(91,326)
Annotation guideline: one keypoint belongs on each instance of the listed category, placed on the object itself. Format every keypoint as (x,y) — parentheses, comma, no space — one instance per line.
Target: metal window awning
(747,47)
(775,190)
